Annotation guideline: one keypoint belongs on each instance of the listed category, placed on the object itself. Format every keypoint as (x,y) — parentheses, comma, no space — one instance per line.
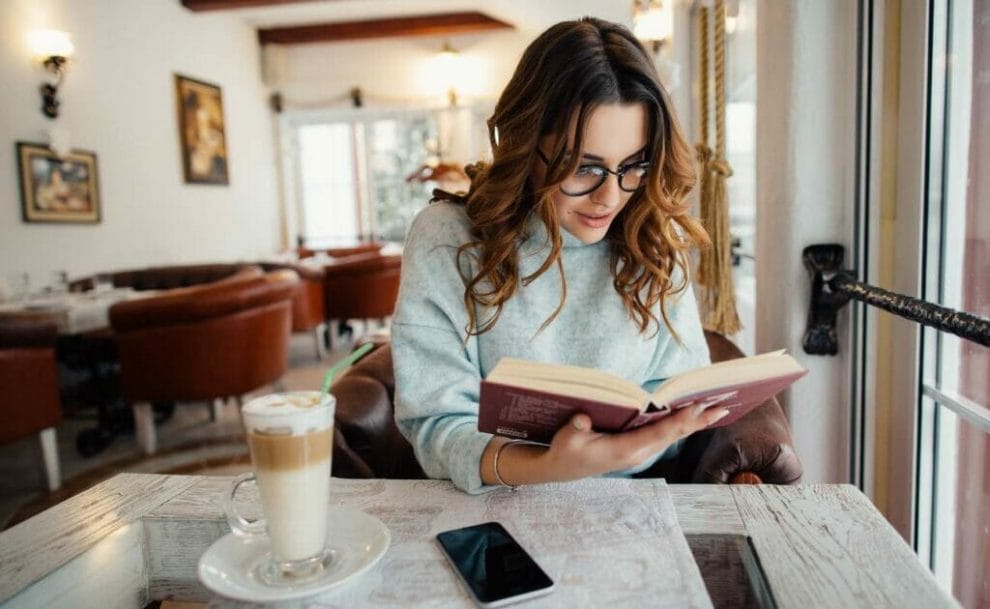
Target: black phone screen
(492,563)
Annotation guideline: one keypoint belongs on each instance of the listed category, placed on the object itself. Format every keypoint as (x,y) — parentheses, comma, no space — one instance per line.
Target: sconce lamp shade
(654,21)
(50,43)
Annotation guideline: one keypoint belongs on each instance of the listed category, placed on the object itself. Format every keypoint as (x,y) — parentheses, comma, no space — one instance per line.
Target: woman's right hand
(578,452)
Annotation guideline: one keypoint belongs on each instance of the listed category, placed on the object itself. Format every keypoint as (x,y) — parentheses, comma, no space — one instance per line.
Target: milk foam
(294,413)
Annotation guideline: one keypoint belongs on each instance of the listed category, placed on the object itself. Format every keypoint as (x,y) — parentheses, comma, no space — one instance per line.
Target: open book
(532,400)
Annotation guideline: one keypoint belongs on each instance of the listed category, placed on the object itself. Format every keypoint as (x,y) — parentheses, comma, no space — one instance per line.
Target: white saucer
(227,567)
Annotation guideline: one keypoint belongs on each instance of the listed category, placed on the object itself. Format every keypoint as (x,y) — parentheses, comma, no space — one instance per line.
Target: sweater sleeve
(437,374)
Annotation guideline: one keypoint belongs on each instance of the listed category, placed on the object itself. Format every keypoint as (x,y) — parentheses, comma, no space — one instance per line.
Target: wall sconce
(53,48)
(653,21)
(448,67)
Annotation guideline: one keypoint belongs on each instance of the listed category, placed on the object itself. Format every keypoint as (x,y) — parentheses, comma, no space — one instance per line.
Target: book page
(586,383)
(732,372)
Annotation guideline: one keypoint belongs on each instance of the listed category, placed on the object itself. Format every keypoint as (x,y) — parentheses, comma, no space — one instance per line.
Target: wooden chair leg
(216,409)
(321,347)
(329,335)
(144,427)
(49,453)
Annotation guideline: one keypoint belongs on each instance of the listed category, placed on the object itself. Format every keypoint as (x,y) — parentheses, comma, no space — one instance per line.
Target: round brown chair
(307,303)
(202,343)
(364,286)
(29,399)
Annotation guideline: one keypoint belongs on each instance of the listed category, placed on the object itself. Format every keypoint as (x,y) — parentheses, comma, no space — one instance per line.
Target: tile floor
(22,478)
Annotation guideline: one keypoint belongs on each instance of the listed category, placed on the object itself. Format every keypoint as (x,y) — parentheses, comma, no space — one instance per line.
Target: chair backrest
(365,286)
(307,304)
(29,399)
(202,342)
(174,276)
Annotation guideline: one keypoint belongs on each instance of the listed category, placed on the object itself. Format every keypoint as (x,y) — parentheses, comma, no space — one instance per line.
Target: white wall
(118,100)
(806,122)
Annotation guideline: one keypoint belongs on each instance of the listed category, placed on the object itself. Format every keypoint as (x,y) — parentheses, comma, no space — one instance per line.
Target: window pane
(329,190)
(962,510)
(974,288)
(958,469)
(740,124)
(397,148)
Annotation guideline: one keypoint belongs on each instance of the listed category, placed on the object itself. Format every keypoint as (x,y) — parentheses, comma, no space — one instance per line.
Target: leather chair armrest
(346,462)
(759,443)
(366,418)
(27,332)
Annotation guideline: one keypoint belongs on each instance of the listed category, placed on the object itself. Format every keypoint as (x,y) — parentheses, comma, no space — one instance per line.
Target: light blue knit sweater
(437,377)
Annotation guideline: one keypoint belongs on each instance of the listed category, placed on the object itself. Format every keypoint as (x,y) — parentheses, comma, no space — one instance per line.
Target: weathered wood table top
(138,537)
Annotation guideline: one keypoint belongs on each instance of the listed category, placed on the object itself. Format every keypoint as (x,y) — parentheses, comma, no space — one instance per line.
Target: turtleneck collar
(537,236)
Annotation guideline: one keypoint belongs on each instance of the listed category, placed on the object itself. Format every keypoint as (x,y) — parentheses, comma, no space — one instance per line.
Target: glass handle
(239,524)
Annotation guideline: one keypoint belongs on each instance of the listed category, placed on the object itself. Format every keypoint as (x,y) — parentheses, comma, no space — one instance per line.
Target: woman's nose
(608,194)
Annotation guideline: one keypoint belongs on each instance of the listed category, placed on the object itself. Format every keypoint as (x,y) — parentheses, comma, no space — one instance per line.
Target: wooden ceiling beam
(444,24)
(222,5)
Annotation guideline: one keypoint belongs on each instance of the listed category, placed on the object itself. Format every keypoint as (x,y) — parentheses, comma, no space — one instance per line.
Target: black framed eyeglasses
(588,178)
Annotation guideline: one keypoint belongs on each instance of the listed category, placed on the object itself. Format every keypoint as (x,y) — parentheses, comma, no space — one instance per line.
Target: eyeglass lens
(587,178)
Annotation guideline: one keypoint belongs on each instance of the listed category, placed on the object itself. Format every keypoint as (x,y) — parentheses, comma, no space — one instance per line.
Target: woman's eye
(589,170)
(637,169)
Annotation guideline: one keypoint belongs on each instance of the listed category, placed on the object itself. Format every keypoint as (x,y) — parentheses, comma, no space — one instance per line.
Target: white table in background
(75,312)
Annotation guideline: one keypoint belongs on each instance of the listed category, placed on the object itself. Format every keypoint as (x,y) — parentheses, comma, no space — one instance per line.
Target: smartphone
(495,568)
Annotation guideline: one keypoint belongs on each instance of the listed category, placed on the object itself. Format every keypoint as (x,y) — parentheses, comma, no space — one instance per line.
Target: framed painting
(58,189)
(201,131)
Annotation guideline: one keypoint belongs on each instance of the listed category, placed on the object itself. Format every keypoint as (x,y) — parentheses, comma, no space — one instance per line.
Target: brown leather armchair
(756,448)
(364,286)
(29,399)
(173,276)
(307,303)
(202,343)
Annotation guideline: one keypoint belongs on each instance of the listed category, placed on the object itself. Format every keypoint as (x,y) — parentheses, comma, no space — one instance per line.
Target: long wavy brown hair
(568,71)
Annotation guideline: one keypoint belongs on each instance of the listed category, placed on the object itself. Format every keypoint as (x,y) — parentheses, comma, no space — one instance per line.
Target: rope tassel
(718,295)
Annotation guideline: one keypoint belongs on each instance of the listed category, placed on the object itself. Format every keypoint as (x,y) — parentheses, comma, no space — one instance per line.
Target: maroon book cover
(533,415)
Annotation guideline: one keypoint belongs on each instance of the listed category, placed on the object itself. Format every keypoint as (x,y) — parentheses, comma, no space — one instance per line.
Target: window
(953,478)
(350,174)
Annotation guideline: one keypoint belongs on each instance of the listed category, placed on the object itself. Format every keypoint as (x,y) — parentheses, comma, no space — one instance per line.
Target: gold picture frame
(201,131)
(58,188)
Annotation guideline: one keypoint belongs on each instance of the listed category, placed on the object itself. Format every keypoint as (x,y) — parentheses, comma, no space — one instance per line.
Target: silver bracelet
(498,453)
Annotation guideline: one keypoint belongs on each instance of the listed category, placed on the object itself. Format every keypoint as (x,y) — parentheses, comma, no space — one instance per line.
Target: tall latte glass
(291,440)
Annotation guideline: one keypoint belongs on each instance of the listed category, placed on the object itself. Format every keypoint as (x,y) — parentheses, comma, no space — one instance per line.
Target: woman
(570,248)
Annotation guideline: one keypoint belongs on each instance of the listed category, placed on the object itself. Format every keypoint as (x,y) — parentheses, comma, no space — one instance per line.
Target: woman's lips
(595,221)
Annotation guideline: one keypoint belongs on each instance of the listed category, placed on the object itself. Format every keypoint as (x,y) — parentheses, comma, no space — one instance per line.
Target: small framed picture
(58,189)
(201,131)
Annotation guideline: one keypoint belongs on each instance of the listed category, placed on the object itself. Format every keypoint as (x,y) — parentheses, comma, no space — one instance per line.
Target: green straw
(344,363)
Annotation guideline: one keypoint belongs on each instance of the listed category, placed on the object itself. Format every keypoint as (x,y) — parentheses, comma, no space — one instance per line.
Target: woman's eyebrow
(595,157)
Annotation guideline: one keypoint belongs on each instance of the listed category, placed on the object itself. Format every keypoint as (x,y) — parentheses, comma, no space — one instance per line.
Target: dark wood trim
(221,5)
(444,24)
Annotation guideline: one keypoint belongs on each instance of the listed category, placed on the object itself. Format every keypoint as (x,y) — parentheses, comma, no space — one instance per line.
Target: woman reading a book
(570,247)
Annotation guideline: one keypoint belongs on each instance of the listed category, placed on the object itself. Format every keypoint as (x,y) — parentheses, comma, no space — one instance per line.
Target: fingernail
(722,414)
(578,423)
(697,410)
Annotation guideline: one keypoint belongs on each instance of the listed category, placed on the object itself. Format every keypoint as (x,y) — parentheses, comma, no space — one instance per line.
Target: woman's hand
(578,452)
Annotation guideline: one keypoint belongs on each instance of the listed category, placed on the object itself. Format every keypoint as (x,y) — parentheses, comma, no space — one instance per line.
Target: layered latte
(291,440)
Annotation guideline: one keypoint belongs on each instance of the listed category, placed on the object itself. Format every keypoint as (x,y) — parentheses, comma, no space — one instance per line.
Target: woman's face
(615,137)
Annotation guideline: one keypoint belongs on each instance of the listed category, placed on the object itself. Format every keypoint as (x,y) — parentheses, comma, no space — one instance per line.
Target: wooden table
(138,537)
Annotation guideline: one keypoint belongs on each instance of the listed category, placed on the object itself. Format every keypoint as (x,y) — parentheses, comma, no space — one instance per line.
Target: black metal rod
(832,288)
(962,324)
